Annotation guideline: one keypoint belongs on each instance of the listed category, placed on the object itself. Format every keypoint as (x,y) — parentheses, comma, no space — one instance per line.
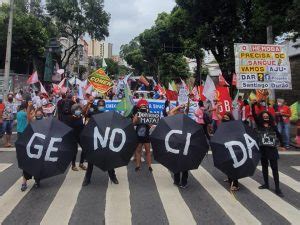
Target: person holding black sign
(143,134)
(269,153)
(183,182)
(89,110)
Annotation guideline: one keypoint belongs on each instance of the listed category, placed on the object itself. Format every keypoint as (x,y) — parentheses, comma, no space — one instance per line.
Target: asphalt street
(145,198)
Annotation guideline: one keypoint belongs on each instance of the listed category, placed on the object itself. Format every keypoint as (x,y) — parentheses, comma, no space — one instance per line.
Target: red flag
(225,100)
(234,81)
(222,81)
(34,78)
(143,80)
(43,91)
(56,89)
(160,89)
(171,95)
(200,90)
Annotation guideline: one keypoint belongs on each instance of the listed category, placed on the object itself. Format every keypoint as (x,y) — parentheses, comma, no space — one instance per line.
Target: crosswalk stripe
(4,166)
(117,208)
(11,198)
(63,204)
(224,198)
(296,167)
(175,207)
(293,184)
(286,210)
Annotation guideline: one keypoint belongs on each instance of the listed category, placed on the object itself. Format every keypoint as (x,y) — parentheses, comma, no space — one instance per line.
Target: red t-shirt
(286,111)
(2,106)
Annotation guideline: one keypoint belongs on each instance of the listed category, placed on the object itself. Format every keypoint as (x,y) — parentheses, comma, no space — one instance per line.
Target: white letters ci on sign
(176,151)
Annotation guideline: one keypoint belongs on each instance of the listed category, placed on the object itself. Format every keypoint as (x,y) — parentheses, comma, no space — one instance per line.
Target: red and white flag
(144,81)
(222,81)
(209,90)
(43,90)
(185,86)
(160,89)
(61,84)
(34,78)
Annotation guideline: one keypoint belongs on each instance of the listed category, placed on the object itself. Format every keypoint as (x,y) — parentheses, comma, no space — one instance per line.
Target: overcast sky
(129,18)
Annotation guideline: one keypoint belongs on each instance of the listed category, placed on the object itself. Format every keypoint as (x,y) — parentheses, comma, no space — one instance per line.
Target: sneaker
(37,184)
(86,182)
(114,180)
(23,187)
(176,184)
(279,193)
(74,168)
(81,166)
(264,186)
(183,186)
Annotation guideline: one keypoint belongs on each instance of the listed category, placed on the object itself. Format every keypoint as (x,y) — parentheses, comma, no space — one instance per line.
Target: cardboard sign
(183,97)
(100,81)
(267,139)
(149,118)
(262,66)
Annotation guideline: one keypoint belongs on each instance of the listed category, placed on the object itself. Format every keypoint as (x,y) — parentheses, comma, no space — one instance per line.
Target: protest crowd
(149,109)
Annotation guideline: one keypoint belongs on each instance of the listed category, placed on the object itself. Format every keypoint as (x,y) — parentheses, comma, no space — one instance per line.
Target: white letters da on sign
(40,148)
(250,144)
(176,151)
(104,140)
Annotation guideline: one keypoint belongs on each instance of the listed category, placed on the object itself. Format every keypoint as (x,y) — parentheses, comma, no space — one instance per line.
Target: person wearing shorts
(8,120)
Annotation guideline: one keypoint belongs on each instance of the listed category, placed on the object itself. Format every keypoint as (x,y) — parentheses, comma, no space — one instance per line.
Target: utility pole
(8,50)
(270,40)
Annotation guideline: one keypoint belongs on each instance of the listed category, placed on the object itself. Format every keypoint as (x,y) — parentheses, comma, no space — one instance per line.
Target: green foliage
(30,37)
(75,18)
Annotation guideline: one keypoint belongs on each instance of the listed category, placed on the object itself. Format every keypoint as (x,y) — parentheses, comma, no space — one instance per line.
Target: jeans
(284,130)
(274,167)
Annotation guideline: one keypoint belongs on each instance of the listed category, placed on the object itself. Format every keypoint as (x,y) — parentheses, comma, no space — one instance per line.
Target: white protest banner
(262,66)
(149,118)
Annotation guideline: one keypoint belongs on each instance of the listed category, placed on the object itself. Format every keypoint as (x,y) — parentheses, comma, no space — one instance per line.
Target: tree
(294,18)
(75,18)
(29,40)
(223,23)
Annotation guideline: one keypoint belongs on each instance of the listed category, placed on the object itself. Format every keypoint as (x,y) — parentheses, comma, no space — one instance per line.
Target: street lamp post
(8,49)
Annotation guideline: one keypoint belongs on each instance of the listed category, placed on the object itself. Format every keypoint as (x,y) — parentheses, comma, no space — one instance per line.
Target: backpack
(67,105)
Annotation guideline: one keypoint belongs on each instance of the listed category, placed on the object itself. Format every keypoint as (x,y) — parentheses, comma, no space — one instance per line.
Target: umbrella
(179,143)
(235,149)
(109,140)
(46,148)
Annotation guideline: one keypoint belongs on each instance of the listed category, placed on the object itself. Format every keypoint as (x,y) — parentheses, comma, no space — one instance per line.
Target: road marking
(224,198)
(4,166)
(286,210)
(117,207)
(175,207)
(293,184)
(11,198)
(65,200)
(296,167)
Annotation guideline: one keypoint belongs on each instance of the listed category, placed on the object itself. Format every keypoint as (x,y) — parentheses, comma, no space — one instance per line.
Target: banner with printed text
(262,66)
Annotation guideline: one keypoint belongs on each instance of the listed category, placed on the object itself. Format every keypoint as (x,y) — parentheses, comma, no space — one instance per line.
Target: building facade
(99,49)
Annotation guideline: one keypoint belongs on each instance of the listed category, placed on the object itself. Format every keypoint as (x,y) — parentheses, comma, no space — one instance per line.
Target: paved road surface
(145,198)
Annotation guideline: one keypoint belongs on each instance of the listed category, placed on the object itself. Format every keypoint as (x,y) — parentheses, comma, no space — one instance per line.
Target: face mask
(77,113)
(39,117)
(101,109)
(10,99)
